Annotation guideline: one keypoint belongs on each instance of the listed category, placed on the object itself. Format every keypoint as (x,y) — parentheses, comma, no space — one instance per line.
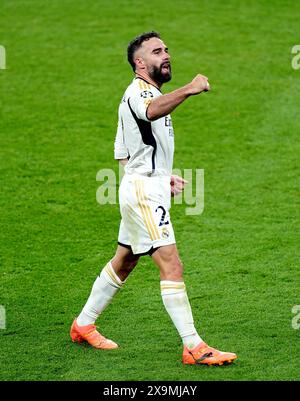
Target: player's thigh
(169,263)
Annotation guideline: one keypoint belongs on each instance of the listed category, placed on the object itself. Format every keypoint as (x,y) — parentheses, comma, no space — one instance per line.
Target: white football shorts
(144,205)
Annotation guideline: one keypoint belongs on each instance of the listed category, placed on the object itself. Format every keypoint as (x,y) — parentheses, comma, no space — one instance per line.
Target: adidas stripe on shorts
(144,205)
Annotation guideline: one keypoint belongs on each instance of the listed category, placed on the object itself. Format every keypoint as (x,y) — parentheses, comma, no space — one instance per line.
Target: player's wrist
(189,90)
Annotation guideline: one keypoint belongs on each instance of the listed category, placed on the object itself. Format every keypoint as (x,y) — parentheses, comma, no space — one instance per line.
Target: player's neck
(146,77)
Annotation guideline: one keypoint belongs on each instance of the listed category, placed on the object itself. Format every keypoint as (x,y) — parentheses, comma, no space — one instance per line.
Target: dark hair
(136,43)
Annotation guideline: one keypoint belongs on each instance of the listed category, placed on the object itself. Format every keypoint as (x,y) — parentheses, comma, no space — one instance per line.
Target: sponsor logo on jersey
(168,121)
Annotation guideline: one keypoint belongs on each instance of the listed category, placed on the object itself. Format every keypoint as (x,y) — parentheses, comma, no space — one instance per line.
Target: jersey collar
(143,79)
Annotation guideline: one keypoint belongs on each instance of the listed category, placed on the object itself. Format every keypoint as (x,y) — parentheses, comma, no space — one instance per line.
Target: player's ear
(139,62)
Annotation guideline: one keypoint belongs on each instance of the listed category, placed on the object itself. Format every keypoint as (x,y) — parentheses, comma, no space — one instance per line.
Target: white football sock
(177,304)
(105,287)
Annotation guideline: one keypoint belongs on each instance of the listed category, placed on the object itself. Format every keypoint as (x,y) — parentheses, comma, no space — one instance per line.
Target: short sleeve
(120,149)
(140,100)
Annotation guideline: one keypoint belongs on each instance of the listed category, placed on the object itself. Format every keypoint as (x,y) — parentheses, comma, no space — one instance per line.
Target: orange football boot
(90,334)
(202,354)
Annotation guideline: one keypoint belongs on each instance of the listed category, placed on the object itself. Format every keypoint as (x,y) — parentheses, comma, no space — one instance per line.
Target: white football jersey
(148,145)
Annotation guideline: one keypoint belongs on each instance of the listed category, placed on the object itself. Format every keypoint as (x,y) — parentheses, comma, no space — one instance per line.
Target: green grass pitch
(66,71)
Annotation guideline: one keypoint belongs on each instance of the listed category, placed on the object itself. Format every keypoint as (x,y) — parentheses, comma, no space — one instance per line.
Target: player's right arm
(165,104)
(123,162)
(120,149)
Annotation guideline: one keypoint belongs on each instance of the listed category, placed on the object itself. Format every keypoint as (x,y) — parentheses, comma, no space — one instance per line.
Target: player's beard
(157,74)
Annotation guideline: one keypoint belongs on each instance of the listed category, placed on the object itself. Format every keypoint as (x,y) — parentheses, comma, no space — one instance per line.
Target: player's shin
(177,304)
(104,289)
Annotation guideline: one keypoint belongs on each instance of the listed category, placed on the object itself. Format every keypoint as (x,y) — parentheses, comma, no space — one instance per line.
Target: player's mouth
(166,67)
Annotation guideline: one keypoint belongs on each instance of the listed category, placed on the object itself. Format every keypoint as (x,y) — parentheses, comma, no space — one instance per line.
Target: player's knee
(176,263)
(170,257)
(130,262)
(126,267)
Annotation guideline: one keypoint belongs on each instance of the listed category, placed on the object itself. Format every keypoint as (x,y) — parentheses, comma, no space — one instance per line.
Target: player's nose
(167,57)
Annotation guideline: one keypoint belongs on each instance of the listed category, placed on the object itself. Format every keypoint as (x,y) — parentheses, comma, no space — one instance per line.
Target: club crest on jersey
(145,94)
(165,232)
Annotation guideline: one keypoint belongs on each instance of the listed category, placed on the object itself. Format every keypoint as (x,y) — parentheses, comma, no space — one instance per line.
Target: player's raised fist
(199,84)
